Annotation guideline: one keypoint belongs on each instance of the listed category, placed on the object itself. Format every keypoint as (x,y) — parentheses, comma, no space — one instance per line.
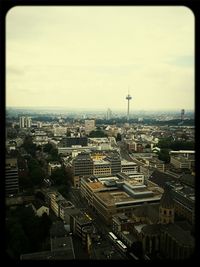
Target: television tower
(128,97)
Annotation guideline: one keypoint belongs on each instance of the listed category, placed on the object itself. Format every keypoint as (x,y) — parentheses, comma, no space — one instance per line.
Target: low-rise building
(59,204)
(112,195)
(156,163)
(53,166)
(129,167)
(81,225)
(39,208)
(180,162)
(184,201)
(101,167)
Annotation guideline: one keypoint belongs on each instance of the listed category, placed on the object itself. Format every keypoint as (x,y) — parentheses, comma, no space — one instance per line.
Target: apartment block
(11,176)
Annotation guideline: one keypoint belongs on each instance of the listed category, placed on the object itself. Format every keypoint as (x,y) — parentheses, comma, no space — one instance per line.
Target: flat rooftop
(121,197)
(125,162)
(95,185)
(181,159)
(101,162)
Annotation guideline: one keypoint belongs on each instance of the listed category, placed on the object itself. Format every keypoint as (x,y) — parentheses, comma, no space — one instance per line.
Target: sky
(90,57)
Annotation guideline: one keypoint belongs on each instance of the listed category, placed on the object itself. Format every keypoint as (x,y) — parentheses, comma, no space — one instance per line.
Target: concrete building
(81,225)
(59,130)
(134,146)
(115,162)
(40,137)
(136,177)
(59,204)
(25,122)
(89,126)
(129,167)
(184,201)
(112,195)
(22,122)
(101,167)
(121,222)
(167,239)
(39,124)
(11,176)
(180,162)
(102,143)
(82,166)
(53,166)
(28,122)
(155,163)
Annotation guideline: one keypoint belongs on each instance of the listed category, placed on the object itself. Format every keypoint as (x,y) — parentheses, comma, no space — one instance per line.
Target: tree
(59,176)
(164,155)
(98,133)
(18,242)
(119,137)
(25,182)
(47,148)
(26,232)
(11,133)
(29,146)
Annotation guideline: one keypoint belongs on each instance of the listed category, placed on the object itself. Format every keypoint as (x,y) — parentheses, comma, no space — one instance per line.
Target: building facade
(82,166)
(11,176)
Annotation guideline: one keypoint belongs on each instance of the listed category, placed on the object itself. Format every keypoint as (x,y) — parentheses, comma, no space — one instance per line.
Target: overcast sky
(88,57)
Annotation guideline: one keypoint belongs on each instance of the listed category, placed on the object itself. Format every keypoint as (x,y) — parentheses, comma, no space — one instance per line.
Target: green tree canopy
(59,176)
(37,174)
(97,133)
(29,146)
(119,137)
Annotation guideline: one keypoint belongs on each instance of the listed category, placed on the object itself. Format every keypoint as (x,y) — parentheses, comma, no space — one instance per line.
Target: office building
(129,167)
(180,162)
(101,167)
(115,162)
(21,122)
(109,195)
(82,166)
(25,122)
(11,181)
(74,141)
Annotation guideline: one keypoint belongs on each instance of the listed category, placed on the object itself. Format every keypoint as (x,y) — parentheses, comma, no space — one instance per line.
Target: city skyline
(88,57)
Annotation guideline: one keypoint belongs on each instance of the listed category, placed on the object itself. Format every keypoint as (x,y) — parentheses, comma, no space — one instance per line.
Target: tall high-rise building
(89,126)
(11,177)
(108,114)
(25,122)
(22,122)
(28,122)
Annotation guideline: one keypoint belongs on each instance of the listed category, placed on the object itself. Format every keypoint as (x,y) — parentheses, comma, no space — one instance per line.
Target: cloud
(88,56)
